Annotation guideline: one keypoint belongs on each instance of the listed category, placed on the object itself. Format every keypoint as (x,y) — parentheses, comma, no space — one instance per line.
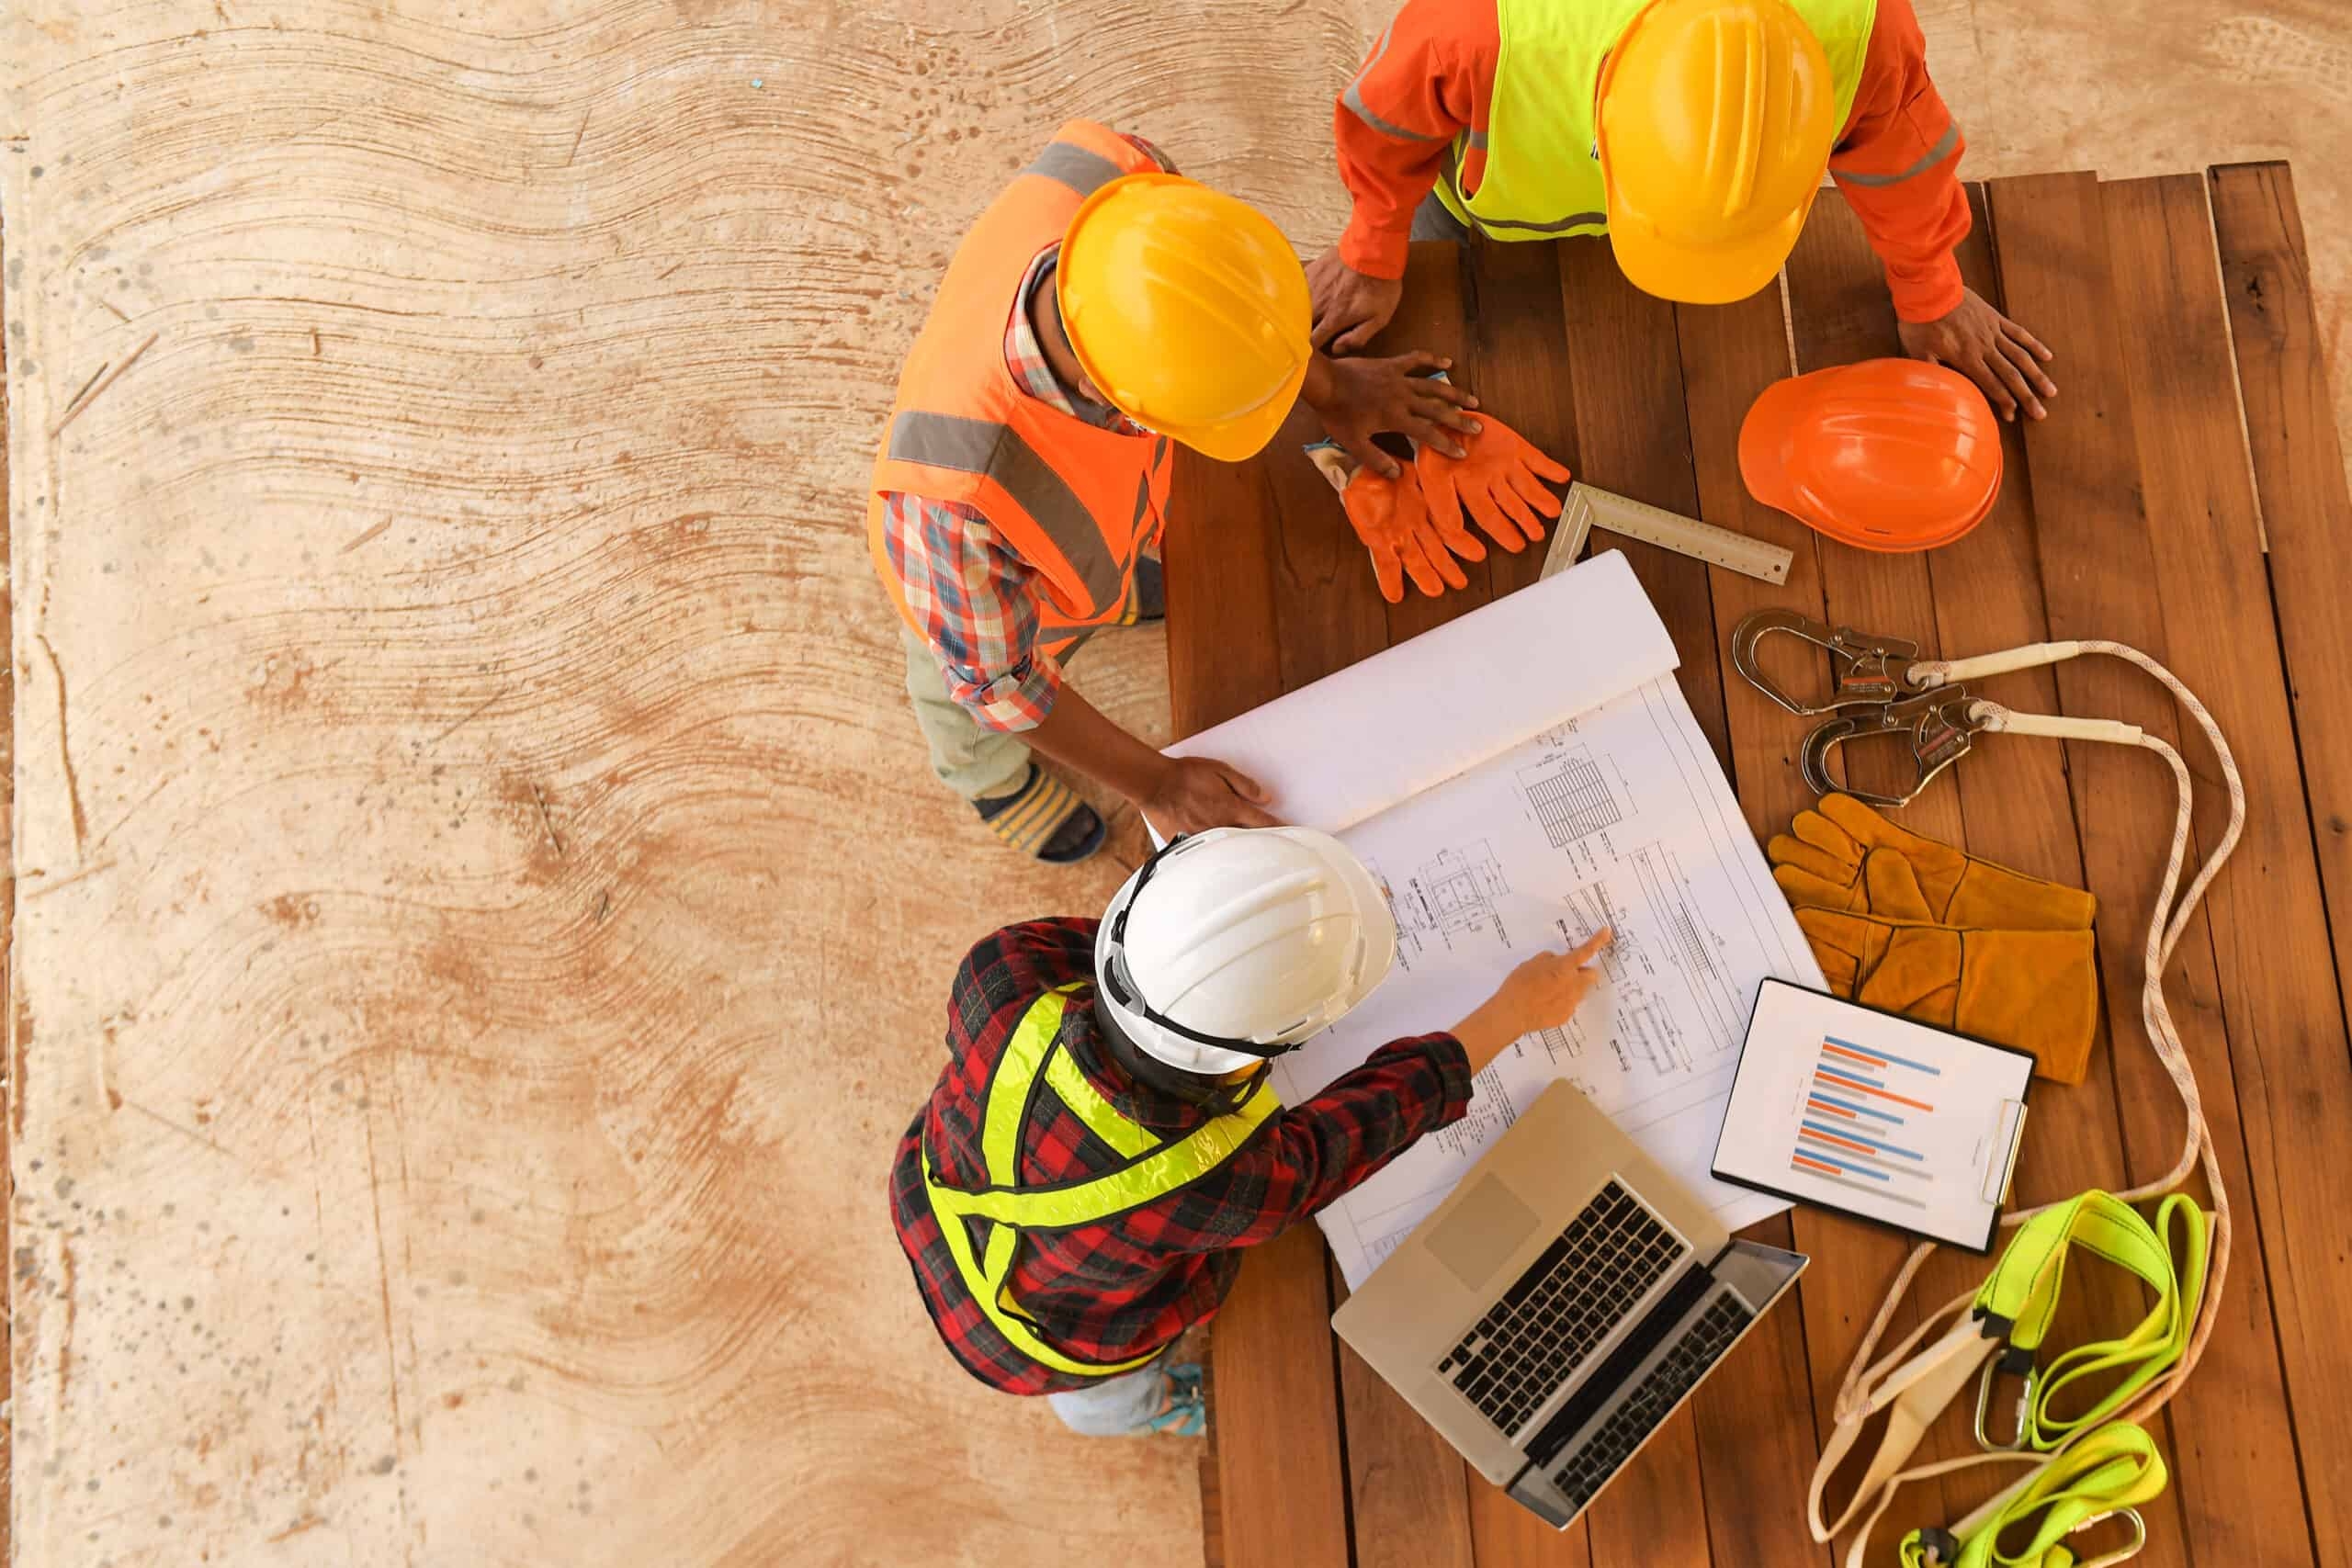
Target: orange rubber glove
(2036,991)
(1845,856)
(1499,483)
(1393,520)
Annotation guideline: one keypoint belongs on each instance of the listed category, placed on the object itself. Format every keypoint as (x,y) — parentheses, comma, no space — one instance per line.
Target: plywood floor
(480,917)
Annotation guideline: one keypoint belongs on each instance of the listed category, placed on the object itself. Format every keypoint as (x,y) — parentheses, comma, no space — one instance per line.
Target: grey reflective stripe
(1451,174)
(1352,99)
(1074,167)
(1143,487)
(1573,220)
(981,446)
(1936,154)
(945,440)
(1067,648)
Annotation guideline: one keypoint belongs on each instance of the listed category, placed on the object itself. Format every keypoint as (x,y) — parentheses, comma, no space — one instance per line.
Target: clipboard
(1874,1115)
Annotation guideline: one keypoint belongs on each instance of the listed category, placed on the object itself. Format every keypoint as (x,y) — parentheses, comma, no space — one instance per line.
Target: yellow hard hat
(1716,122)
(1188,309)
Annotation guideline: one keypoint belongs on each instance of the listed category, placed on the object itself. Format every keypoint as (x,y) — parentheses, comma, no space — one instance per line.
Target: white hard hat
(1237,944)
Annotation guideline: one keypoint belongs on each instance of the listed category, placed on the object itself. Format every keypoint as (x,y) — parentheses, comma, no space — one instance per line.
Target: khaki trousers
(976,762)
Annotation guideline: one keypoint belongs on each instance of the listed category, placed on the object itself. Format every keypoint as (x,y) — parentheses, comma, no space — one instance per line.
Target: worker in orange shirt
(1693,132)
(1102,308)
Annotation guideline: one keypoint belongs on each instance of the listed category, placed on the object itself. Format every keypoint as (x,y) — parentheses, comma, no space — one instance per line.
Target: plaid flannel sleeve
(1312,1153)
(976,603)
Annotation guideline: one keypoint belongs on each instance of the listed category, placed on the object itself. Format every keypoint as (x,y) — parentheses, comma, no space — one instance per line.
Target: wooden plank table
(2186,496)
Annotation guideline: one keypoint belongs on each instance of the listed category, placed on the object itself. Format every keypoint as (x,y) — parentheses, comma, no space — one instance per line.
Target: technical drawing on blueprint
(1620,818)
(1451,897)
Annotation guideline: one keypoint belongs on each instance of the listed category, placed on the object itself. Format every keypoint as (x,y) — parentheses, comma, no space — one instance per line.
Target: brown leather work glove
(2036,991)
(1845,856)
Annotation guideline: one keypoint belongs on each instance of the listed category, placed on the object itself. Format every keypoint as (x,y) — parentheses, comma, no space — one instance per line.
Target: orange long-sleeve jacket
(1431,76)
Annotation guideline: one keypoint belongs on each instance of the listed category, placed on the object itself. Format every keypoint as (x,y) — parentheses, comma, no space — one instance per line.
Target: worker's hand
(1501,483)
(1393,521)
(1348,307)
(2003,358)
(1195,793)
(1543,993)
(1357,398)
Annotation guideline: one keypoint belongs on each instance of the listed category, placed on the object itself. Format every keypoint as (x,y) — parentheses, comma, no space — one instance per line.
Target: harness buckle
(1943,1547)
(1866,669)
(2015,1361)
(1940,725)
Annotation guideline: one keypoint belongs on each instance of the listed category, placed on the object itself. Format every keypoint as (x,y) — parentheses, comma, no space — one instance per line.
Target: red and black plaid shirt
(1113,1291)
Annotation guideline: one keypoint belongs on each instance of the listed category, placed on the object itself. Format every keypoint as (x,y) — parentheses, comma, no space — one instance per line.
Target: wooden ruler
(1587,509)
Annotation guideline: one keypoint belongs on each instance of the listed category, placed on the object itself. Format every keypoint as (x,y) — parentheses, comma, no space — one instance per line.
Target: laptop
(1560,1304)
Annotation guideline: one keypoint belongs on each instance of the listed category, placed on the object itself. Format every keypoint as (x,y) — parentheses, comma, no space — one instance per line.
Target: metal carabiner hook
(2013,1362)
(1940,725)
(2139,1537)
(1865,669)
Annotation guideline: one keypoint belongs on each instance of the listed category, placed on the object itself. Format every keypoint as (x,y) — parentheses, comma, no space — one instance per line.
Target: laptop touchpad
(1482,1233)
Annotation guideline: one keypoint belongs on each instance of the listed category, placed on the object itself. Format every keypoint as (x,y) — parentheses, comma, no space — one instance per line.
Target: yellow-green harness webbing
(1151,1169)
(2108,1472)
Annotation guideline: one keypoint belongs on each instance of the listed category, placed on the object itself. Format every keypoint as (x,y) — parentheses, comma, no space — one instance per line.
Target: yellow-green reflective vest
(984,1228)
(1543,177)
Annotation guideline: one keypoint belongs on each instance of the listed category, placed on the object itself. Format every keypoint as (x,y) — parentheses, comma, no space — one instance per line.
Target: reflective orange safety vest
(1078,502)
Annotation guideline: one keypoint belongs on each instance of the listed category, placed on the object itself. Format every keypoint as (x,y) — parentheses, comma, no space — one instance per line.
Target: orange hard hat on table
(1188,311)
(1716,120)
(1889,455)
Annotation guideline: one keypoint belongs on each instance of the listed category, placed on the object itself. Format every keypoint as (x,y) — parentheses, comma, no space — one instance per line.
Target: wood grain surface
(1745,1412)
(482,915)
(479,915)
(2307,523)
(2288,1056)
(2129,514)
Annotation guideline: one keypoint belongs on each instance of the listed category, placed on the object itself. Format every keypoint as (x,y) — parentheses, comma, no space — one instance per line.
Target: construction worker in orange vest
(1102,308)
(1694,132)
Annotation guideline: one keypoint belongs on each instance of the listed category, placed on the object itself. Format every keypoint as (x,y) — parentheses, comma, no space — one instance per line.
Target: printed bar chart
(1873,1114)
(1850,1135)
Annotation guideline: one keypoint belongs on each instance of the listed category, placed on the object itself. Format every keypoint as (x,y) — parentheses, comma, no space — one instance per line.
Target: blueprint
(1617,817)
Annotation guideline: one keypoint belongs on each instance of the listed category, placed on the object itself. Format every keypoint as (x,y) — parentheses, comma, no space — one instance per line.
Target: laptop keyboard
(1566,1302)
(1648,1403)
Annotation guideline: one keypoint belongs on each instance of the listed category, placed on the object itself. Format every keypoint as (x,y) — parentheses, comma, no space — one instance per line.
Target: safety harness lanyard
(2004,1324)
(2020,1298)
(1881,676)
(2109,1471)
(1152,1170)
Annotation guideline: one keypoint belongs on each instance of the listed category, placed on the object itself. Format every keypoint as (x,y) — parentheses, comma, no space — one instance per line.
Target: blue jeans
(1114,1407)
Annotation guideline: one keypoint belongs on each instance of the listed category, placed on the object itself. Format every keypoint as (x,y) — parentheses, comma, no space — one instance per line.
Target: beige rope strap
(1914,1384)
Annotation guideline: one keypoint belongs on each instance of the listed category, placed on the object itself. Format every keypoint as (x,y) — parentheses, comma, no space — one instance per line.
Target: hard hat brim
(1902,542)
(1238,440)
(1764,444)
(1714,274)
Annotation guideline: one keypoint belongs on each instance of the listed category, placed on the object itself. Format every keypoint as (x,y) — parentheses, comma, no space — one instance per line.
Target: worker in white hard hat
(1105,1142)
